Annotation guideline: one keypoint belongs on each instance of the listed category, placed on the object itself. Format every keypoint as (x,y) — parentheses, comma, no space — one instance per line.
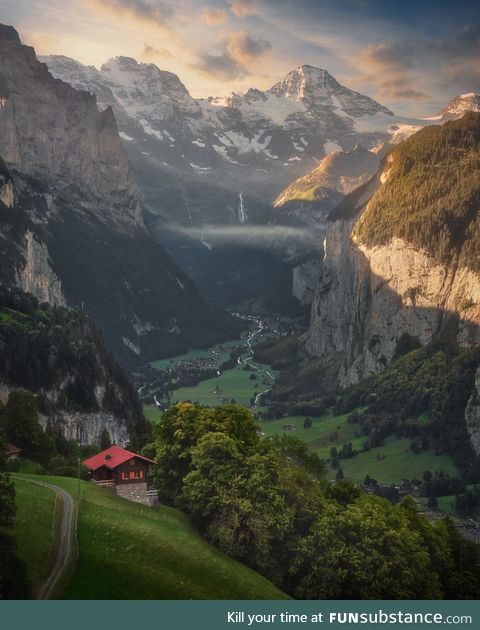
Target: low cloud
(254,236)
(239,52)
(242,8)
(214,16)
(151,52)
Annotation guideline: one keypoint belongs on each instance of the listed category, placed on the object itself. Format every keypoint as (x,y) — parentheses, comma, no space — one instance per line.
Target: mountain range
(204,163)
(258,139)
(191,158)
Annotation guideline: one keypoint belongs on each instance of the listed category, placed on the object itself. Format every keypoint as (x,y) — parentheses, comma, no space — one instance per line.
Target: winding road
(66,544)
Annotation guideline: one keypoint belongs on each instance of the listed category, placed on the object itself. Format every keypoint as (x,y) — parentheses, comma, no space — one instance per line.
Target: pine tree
(13,575)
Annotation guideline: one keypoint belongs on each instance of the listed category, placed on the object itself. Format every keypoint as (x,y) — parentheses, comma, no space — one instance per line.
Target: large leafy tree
(181,428)
(267,503)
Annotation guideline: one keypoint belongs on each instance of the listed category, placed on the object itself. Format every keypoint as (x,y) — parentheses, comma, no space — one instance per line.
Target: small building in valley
(125,472)
(12,451)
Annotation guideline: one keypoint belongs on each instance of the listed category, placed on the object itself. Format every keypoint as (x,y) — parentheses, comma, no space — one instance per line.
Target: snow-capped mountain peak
(317,88)
(145,83)
(469,102)
(260,136)
(305,82)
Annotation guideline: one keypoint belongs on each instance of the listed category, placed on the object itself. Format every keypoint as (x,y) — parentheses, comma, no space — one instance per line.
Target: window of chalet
(133,474)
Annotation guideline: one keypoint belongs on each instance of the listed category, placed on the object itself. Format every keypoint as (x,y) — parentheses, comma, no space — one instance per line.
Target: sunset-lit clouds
(240,52)
(242,8)
(411,69)
(214,16)
(390,64)
(406,56)
(158,13)
(245,48)
(151,53)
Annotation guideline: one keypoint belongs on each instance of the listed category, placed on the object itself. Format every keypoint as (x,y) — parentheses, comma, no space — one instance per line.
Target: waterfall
(242,214)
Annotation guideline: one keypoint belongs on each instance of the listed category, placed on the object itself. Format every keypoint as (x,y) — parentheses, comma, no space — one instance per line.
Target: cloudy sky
(411,55)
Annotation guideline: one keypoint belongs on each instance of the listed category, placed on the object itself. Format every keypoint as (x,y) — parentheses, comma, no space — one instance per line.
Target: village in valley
(221,374)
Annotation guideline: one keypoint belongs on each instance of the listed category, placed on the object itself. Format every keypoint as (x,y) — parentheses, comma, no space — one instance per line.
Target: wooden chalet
(12,451)
(124,471)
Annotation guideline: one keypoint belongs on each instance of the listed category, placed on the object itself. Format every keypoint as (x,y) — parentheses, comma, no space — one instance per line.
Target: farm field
(398,461)
(34,522)
(128,551)
(152,413)
(234,383)
(325,432)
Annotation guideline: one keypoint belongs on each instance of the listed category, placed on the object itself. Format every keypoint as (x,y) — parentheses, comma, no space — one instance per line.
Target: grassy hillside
(34,527)
(128,551)
(389,463)
(432,195)
(325,432)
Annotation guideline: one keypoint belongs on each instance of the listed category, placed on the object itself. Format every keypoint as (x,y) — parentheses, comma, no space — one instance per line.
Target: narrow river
(248,360)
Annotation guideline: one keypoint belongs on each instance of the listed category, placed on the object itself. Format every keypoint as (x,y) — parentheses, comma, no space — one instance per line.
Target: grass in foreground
(34,527)
(128,551)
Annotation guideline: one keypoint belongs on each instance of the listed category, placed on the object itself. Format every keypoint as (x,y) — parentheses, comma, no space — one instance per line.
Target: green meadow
(128,551)
(398,463)
(389,463)
(232,384)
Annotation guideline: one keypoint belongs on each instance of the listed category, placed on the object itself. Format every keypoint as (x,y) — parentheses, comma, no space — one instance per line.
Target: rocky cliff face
(371,295)
(71,223)
(55,133)
(472,415)
(368,298)
(37,276)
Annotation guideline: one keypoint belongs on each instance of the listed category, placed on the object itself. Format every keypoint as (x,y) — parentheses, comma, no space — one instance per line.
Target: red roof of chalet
(112,457)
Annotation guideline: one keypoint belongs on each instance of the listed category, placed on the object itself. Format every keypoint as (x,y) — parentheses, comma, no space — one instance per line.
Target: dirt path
(66,544)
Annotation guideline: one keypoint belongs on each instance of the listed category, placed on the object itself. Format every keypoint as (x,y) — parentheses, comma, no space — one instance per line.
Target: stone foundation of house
(134,492)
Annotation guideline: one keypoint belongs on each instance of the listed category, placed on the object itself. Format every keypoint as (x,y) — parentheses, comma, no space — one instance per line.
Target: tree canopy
(267,503)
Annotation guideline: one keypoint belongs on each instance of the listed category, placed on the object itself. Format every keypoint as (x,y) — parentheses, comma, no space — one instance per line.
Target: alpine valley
(271,299)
